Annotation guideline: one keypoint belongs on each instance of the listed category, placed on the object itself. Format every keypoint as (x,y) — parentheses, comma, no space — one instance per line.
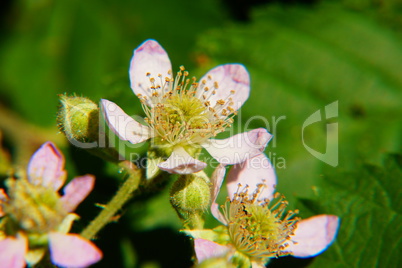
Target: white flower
(182,115)
(257,226)
(39,218)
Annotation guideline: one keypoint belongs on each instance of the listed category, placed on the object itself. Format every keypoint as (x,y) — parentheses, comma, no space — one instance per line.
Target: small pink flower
(272,233)
(183,115)
(46,175)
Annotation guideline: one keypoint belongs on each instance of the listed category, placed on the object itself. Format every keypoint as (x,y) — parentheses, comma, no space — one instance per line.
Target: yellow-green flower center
(181,113)
(35,208)
(259,229)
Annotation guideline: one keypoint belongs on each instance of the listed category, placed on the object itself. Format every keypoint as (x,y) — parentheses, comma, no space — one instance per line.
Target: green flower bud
(78,118)
(190,196)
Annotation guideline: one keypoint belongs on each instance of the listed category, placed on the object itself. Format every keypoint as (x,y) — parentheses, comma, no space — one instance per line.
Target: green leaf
(85,47)
(369,203)
(302,59)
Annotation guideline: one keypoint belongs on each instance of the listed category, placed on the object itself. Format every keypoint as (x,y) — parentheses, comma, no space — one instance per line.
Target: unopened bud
(190,196)
(78,118)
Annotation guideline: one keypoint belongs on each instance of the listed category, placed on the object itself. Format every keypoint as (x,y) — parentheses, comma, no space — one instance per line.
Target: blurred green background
(301,55)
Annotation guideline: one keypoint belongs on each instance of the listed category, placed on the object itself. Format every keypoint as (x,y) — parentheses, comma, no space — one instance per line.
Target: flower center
(259,229)
(180,112)
(34,207)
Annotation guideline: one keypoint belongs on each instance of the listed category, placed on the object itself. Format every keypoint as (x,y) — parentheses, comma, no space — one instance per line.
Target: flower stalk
(116,203)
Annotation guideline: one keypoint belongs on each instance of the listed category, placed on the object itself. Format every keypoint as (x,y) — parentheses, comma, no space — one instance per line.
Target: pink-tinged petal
(12,252)
(180,162)
(76,191)
(255,264)
(251,173)
(238,148)
(216,180)
(149,61)
(73,251)
(3,195)
(46,167)
(3,199)
(205,249)
(125,127)
(313,235)
(233,82)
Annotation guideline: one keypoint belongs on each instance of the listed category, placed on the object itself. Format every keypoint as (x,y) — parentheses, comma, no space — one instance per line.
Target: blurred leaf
(155,212)
(369,203)
(301,60)
(86,46)
(5,162)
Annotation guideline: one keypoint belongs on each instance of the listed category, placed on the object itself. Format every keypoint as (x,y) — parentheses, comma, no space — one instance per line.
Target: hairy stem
(116,203)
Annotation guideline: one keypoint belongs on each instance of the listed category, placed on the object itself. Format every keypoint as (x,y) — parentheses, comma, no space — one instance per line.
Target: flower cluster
(182,115)
(35,217)
(256,226)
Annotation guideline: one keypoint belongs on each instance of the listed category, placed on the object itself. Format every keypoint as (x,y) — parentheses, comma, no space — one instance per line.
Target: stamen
(257,227)
(179,109)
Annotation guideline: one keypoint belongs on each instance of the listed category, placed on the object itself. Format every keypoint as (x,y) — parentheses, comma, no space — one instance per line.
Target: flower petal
(216,180)
(205,249)
(3,199)
(125,127)
(256,264)
(46,167)
(238,148)
(3,195)
(71,250)
(149,60)
(76,191)
(180,162)
(12,252)
(233,82)
(252,172)
(313,235)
